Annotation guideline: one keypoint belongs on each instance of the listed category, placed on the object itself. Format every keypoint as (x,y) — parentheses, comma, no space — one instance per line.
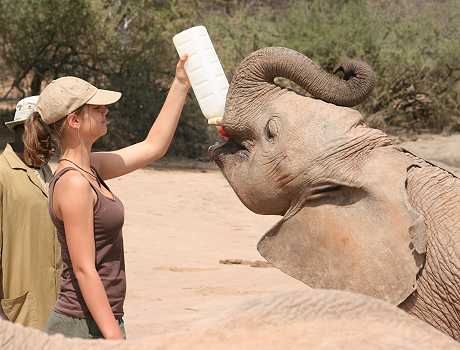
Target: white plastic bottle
(204,71)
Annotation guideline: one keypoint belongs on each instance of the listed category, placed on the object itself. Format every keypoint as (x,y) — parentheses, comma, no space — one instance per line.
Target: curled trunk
(254,78)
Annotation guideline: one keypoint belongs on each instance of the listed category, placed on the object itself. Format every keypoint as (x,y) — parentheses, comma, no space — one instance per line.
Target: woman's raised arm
(156,144)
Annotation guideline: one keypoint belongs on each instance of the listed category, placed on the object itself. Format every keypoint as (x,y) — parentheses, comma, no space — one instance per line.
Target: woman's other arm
(2,314)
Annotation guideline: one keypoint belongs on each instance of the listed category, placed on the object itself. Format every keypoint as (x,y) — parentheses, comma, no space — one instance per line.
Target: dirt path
(445,149)
(178,225)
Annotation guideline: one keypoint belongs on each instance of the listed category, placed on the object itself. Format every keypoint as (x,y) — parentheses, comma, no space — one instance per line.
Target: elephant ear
(372,246)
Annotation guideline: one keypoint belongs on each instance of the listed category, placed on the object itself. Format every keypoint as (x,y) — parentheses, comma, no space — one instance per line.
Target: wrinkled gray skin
(313,319)
(359,214)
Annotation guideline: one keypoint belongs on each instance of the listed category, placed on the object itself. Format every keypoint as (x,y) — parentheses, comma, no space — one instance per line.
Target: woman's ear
(73,120)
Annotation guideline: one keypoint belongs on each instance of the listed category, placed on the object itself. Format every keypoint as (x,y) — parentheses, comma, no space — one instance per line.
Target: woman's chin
(102,133)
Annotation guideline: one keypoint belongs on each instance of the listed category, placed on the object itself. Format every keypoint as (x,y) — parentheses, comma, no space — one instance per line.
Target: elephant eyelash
(243,153)
(248,145)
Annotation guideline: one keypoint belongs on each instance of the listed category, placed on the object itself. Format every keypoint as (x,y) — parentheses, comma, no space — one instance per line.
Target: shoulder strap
(101,180)
(60,173)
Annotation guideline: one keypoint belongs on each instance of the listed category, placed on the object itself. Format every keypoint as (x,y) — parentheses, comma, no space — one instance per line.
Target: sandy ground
(178,225)
(438,148)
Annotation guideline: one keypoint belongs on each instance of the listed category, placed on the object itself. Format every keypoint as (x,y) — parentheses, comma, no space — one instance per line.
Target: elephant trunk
(256,73)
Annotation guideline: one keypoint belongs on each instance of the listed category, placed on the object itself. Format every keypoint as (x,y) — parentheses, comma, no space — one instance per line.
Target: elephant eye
(271,130)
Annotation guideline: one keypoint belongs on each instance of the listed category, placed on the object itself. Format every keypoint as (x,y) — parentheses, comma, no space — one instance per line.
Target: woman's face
(94,122)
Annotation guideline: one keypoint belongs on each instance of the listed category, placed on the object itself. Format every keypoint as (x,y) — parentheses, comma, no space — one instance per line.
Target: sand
(178,225)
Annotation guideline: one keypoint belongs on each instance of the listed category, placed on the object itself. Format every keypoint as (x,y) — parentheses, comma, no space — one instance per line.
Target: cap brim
(104,97)
(13,123)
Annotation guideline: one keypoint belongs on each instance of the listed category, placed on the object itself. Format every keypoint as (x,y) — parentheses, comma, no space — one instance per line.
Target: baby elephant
(359,213)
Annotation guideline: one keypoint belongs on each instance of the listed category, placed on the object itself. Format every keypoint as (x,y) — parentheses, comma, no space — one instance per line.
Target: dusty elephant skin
(310,319)
(359,214)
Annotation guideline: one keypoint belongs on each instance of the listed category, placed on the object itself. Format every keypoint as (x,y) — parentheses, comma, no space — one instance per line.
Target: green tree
(41,39)
(411,45)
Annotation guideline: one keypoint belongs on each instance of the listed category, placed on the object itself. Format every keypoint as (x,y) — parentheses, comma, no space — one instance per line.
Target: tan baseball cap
(65,95)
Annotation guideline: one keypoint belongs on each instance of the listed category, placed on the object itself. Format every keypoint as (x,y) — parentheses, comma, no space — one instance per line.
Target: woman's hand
(181,75)
(114,334)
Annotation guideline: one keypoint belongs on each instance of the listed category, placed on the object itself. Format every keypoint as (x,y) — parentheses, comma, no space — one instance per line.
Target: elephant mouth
(222,148)
(215,149)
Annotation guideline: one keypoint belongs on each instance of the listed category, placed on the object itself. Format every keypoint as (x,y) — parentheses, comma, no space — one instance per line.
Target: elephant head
(304,158)
(269,126)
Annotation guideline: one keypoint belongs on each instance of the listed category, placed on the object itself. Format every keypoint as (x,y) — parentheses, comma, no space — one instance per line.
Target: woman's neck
(79,154)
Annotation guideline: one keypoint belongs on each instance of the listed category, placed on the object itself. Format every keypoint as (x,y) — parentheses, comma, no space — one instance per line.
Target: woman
(88,216)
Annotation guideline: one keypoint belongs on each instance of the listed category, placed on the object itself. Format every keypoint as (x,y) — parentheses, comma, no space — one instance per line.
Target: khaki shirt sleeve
(2,314)
(1,239)
(1,236)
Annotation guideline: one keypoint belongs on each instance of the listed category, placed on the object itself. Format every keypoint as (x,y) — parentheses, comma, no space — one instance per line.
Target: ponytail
(41,141)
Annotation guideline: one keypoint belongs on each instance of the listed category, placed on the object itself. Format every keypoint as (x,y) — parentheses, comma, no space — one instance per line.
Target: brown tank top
(110,263)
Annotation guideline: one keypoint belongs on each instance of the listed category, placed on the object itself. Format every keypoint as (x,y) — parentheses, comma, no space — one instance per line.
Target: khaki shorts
(73,327)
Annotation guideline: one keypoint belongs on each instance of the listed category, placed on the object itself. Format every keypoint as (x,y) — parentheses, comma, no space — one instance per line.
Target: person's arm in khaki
(2,313)
(77,215)
(156,144)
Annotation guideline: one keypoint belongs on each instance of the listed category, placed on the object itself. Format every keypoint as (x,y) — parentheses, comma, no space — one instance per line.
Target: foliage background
(126,45)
